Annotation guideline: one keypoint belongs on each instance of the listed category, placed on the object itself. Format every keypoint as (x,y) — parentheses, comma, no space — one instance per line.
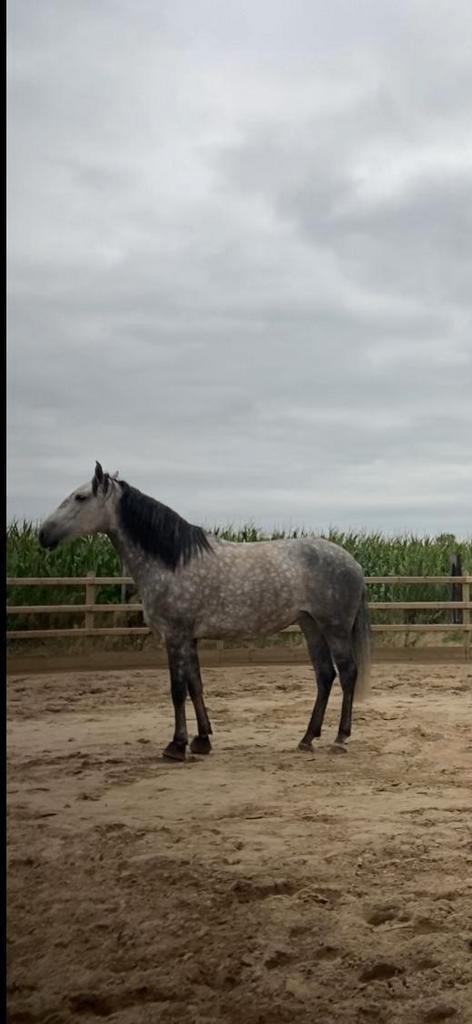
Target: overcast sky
(240,257)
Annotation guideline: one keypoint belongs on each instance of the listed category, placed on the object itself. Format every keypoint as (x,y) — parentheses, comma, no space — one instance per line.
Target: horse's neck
(138,565)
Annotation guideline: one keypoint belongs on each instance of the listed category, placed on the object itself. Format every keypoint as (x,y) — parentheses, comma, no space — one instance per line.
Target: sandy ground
(257,885)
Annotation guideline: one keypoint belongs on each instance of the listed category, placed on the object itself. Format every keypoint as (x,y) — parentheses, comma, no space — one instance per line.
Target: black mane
(158,530)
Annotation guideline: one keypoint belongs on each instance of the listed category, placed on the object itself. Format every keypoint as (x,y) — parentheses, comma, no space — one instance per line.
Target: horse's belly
(231,622)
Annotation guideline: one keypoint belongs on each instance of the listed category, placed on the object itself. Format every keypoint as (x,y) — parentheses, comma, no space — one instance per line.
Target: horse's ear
(97,478)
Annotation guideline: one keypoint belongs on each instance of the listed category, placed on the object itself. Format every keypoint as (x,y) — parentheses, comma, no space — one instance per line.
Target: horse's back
(307,565)
(312,554)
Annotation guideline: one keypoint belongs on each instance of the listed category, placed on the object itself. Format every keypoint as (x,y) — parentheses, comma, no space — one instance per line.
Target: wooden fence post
(466,619)
(456,589)
(116,615)
(123,589)
(90,595)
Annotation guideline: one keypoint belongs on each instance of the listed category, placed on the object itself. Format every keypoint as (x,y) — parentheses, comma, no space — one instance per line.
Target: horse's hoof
(174,751)
(200,745)
(306,746)
(339,748)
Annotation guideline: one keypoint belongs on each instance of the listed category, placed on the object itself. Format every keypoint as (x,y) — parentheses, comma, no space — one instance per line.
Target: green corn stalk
(379,555)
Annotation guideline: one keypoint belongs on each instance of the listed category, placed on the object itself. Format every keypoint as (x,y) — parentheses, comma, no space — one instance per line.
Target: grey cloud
(239,258)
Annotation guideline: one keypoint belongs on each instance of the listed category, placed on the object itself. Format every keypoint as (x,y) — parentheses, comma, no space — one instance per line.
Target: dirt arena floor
(256,886)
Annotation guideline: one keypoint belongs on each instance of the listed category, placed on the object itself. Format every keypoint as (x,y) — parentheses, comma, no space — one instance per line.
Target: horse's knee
(326,674)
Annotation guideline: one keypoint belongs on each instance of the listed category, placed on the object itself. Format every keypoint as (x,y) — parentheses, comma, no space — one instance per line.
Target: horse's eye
(81,497)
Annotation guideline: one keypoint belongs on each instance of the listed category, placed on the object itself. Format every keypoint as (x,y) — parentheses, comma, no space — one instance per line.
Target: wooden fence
(90,608)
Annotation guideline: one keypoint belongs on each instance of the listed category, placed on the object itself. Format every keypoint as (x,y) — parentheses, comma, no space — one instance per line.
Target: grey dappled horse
(193,585)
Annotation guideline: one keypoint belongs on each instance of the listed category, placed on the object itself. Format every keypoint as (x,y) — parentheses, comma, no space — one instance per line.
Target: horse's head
(86,511)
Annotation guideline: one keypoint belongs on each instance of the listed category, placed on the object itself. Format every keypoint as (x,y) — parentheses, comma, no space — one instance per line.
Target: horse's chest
(166,605)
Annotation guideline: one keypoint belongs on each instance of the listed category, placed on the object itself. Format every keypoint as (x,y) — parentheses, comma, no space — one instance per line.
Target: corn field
(379,555)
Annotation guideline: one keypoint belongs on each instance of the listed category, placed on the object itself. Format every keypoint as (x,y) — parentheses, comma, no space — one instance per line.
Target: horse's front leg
(186,679)
(201,743)
(178,657)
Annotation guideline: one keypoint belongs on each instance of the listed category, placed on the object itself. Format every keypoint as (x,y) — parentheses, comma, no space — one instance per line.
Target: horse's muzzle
(47,540)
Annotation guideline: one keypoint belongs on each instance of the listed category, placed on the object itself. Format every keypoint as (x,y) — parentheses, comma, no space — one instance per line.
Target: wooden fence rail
(90,607)
(108,581)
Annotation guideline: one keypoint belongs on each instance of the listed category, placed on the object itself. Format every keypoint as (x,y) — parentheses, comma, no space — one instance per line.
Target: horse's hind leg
(325,674)
(340,645)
